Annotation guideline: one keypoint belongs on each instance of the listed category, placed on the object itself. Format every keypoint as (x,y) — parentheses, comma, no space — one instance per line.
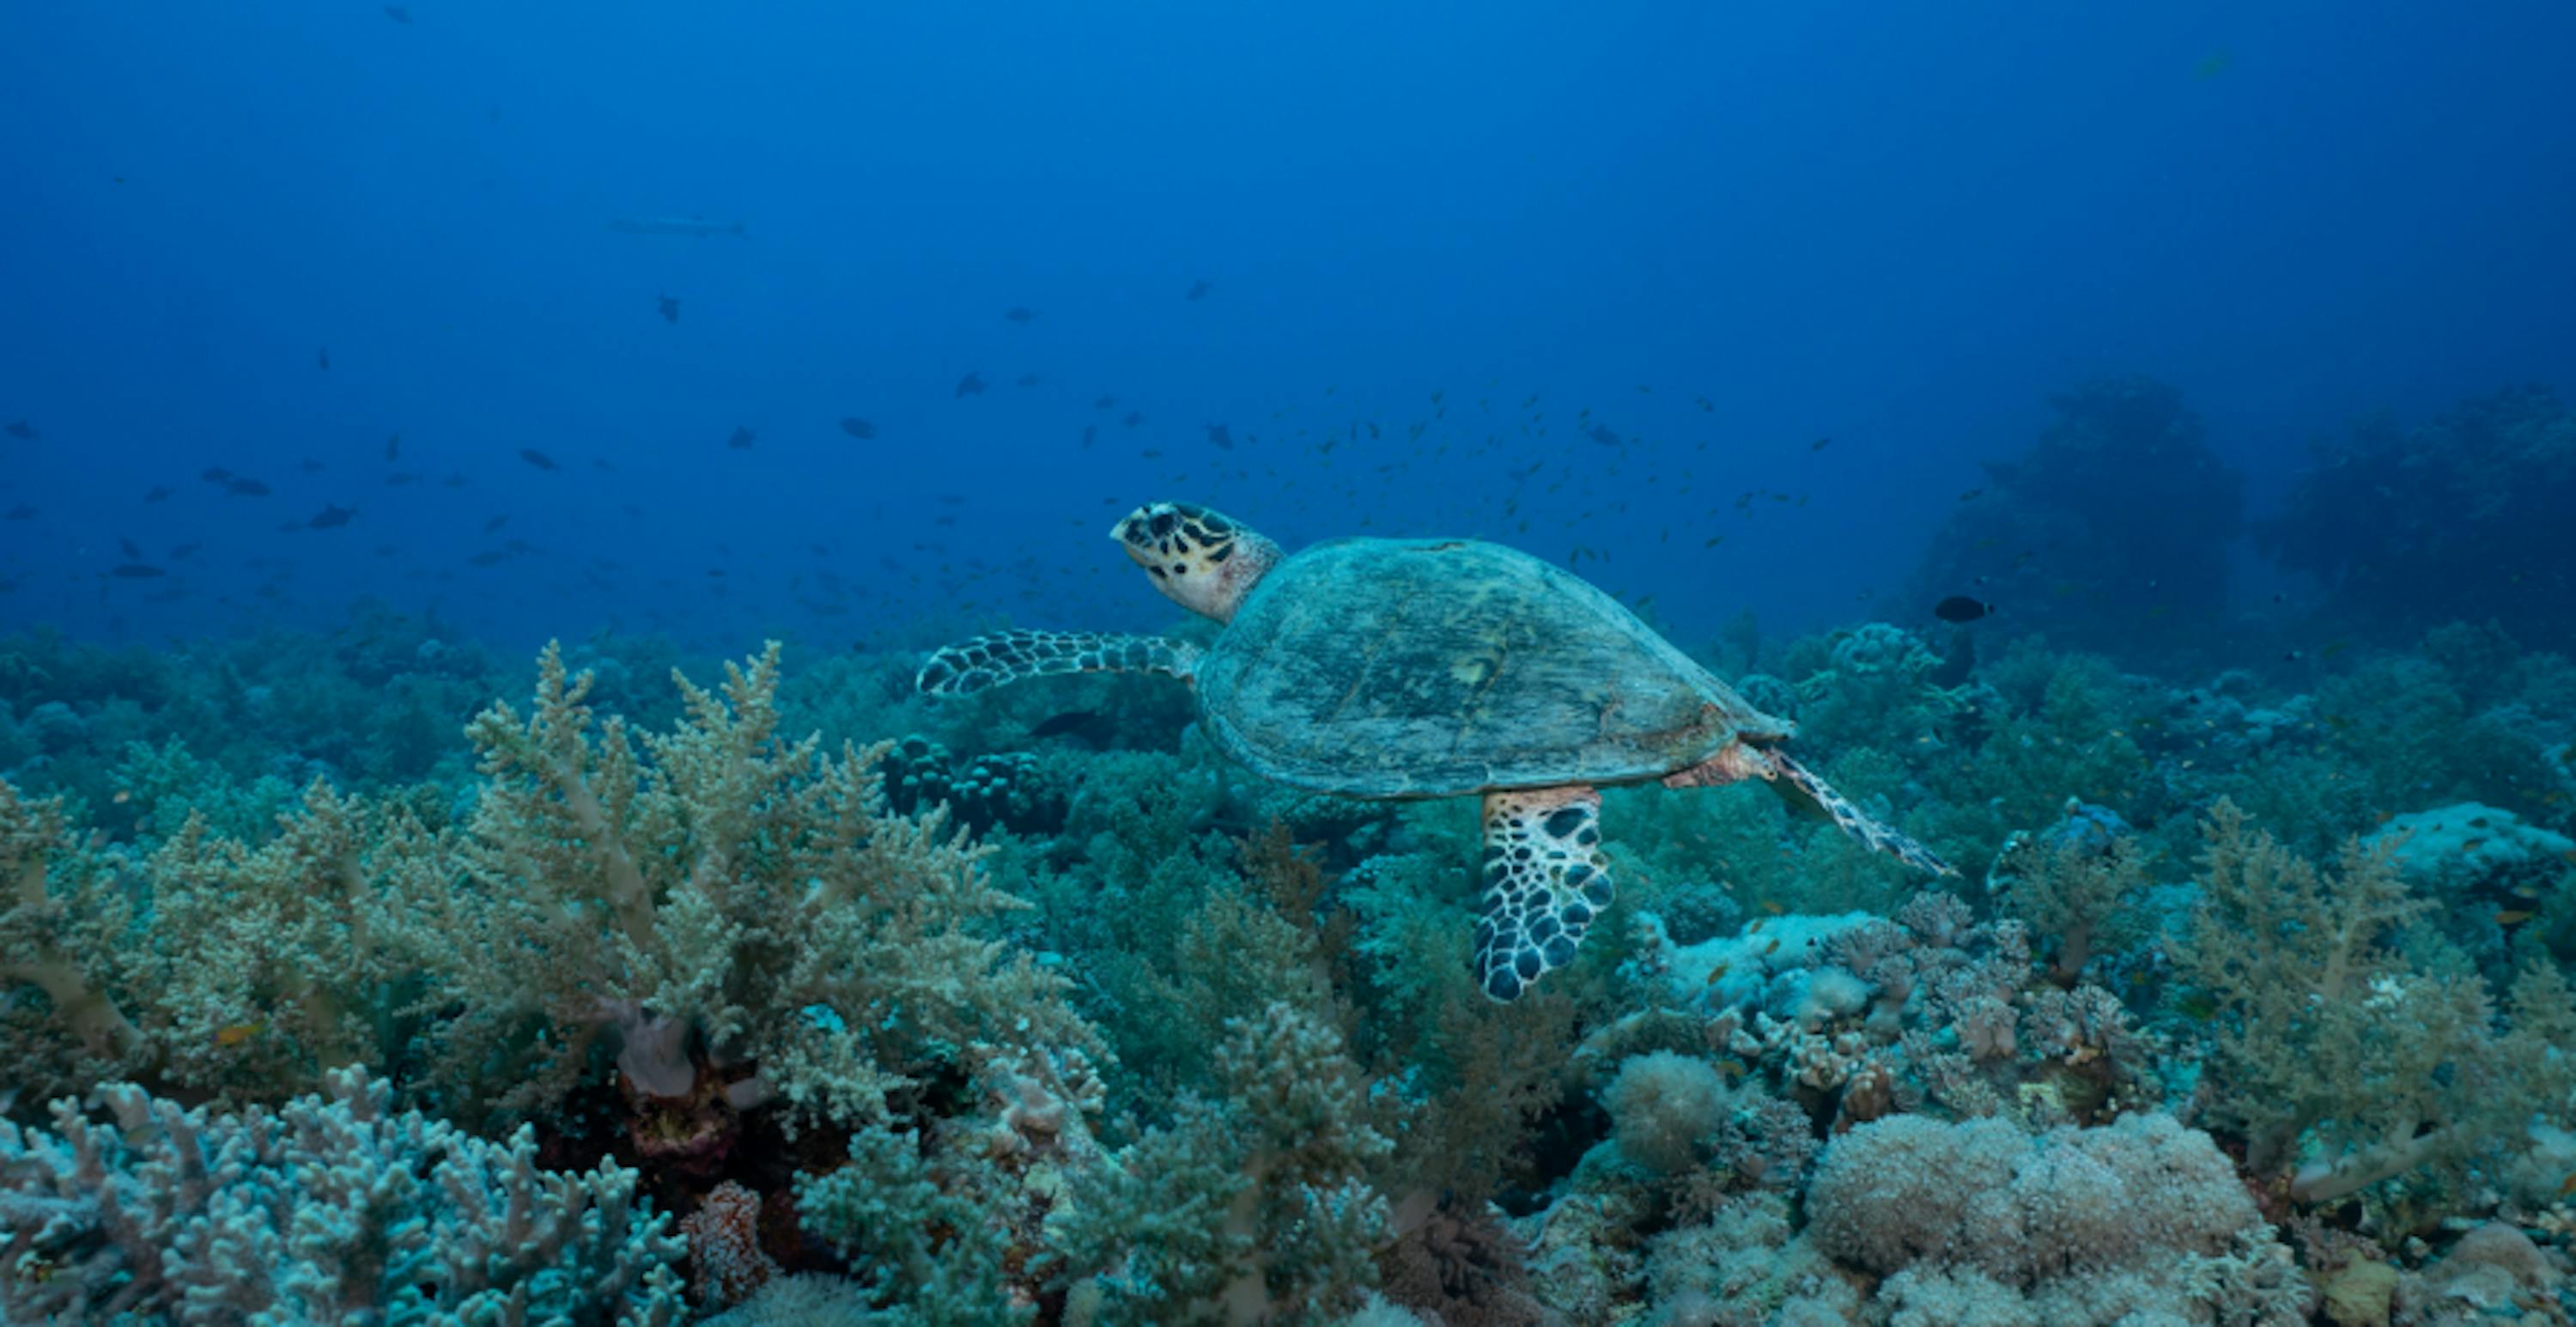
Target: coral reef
(2461,518)
(1095,1028)
(320,1210)
(2110,532)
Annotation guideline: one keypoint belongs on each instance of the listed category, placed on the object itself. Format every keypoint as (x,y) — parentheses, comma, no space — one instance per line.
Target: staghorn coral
(725,902)
(323,1210)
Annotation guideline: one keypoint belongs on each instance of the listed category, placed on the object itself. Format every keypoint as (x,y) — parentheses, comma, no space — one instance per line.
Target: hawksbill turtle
(1406,668)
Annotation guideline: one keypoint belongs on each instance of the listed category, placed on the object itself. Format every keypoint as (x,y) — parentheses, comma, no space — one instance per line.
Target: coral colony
(363,976)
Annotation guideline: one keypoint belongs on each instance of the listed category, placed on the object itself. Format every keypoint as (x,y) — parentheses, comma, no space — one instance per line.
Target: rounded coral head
(1198,558)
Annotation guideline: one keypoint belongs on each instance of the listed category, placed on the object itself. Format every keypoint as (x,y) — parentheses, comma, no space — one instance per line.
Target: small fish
(393,448)
(1717,971)
(323,360)
(970,385)
(242,486)
(1090,434)
(136,571)
(22,430)
(1133,418)
(1773,908)
(157,494)
(858,428)
(398,14)
(670,308)
(741,438)
(331,517)
(1959,608)
(1972,495)
(2509,918)
(493,526)
(22,512)
(1030,380)
(126,546)
(310,466)
(1773,947)
(1220,438)
(1017,314)
(537,458)
(1819,444)
(237,1033)
(1599,433)
(1104,403)
(1198,290)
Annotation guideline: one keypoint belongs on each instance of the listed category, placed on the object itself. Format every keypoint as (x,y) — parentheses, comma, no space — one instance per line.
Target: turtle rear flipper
(989,661)
(1545,880)
(1800,787)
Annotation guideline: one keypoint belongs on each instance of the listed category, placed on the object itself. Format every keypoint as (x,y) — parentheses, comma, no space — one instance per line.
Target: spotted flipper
(1808,793)
(1545,881)
(989,661)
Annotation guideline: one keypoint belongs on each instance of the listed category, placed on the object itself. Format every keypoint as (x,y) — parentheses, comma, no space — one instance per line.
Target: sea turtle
(1402,668)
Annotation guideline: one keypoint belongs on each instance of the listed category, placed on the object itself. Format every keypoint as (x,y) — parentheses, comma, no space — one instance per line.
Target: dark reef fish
(1961,608)
(243,486)
(970,385)
(393,447)
(21,512)
(126,546)
(398,14)
(670,308)
(331,517)
(1133,418)
(22,430)
(136,571)
(741,438)
(1220,438)
(1030,380)
(157,494)
(858,428)
(323,360)
(1600,433)
(1199,290)
(1018,314)
(537,458)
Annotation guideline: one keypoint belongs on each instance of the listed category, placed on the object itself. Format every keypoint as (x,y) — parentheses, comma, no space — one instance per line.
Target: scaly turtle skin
(1402,668)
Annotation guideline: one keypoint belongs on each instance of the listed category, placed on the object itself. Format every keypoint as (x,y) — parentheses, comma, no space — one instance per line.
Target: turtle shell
(1447,667)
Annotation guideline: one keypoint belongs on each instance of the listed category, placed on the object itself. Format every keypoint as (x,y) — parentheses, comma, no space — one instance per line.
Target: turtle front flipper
(1545,882)
(1806,792)
(989,661)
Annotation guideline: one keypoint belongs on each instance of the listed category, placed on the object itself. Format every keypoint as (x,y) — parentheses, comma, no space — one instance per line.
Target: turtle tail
(989,661)
(1805,792)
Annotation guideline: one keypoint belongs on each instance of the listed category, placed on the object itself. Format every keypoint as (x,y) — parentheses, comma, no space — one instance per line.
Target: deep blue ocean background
(1896,227)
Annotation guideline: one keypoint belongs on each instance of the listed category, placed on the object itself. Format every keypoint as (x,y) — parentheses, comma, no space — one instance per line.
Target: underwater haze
(1639,663)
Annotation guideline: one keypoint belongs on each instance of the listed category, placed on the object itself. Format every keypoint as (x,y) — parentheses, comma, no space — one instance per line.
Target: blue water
(1897,229)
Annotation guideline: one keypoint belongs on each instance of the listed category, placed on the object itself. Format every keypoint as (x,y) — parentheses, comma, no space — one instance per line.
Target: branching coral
(321,1211)
(1255,1206)
(2342,1063)
(723,901)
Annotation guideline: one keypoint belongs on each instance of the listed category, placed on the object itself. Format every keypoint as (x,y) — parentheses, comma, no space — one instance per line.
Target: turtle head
(1198,558)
